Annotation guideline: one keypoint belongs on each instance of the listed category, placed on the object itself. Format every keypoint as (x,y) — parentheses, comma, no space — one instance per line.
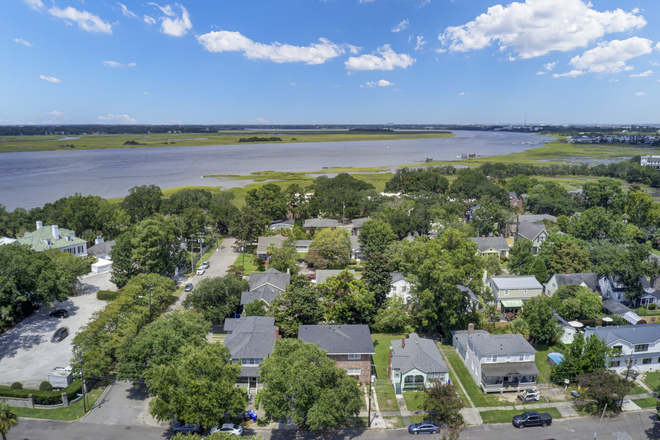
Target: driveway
(26,353)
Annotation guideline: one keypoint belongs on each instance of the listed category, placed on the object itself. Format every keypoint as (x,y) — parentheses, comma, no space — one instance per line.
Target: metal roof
(418,353)
(516,282)
(37,239)
(590,279)
(101,248)
(339,339)
(633,334)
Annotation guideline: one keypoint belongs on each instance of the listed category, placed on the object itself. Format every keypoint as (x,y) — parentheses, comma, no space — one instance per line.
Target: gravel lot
(26,353)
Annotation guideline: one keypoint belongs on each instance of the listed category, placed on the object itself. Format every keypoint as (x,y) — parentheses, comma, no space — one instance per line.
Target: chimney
(98,240)
(277,333)
(40,225)
(568,271)
(470,328)
(56,232)
(403,342)
(483,236)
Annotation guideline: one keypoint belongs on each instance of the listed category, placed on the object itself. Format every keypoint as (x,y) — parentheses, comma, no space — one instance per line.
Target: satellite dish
(575,324)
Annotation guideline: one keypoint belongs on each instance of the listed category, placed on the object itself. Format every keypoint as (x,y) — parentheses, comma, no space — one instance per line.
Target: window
(506,292)
(641,347)
(354,357)
(354,372)
(521,357)
(615,363)
(646,361)
(525,291)
(618,348)
(408,379)
(251,361)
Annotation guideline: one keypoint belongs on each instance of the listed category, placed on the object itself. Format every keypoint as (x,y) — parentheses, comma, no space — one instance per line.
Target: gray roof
(534,218)
(469,291)
(266,294)
(250,337)
(304,243)
(588,278)
(339,339)
(516,282)
(37,239)
(321,223)
(355,244)
(264,242)
(633,334)
(418,353)
(358,222)
(561,320)
(7,240)
(486,243)
(271,277)
(615,307)
(101,248)
(487,344)
(529,230)
(396,277)
(323,274)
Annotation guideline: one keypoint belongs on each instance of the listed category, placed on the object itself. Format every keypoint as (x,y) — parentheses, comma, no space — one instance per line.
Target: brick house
(348,345)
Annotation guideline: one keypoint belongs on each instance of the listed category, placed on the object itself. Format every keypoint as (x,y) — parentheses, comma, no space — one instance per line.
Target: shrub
(259,261)
(45,386)
(261,268)
(16,386)
(652,306)
(106,295)
(44,397)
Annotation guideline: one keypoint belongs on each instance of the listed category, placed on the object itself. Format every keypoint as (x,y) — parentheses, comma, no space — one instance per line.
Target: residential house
(492,246)
(650,161)
(534,233)
(302,246)
(650,295)
(264,242)
(356,225)
(101,249)
(250,340)
(415,363)
(474,299)
(469,214)
(511,292)
(587,279)
(7,240)
(356,249)
(569,331)
(276,225)
(270,278)
(531,218)
(400,287)
(637,343)
(323,274)
(348,345)
(612,288)
(516,201)
(314,223)
(45,238)
(613,307)
(497,363)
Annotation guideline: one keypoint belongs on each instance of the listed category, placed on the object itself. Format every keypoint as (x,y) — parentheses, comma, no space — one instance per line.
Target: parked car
(424,428)
(59,313)
(228,428)
(532,418)
(311,276)
(60,334)
(187,428)
(205,265)
(201,270)
(189,288)
(529,396)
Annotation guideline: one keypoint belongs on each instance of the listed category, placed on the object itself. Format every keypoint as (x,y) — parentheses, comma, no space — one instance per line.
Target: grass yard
(417,419)
(653,380)
(71,412)
(382,348)
(414,400)
(356,422)
(394,422)
(647,402)
(505,416)
(386,397)
(541,360)
(637,390)
(249,262)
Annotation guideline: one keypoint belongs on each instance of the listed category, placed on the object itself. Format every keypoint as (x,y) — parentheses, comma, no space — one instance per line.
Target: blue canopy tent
(555,358)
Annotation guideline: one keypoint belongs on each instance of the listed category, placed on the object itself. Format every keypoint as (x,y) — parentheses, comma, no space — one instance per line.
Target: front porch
(509,376)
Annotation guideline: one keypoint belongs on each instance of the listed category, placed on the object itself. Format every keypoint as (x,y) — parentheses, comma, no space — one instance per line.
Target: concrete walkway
(403,409)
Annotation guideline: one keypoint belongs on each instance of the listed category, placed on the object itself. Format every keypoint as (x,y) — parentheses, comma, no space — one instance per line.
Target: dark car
(187,428)
(532,418)
(60,334)
(189,288)
(424,428)
(59,313)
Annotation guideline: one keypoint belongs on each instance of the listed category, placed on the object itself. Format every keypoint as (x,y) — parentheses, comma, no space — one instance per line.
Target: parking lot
(26,353)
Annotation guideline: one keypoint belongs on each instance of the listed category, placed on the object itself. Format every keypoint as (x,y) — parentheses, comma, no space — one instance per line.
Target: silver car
(228,428)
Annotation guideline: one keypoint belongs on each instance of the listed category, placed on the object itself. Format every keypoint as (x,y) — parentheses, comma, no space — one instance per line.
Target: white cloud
(36,5)
(549,66)
(225,41)
(571,74)
(86,20)
(537,27)
(401,26)
(293,84)
(23,42)
(132,64)
(126,11)
(441,50)
(461,94)
(260,120)
(171,24)
(149,20)
(389,60)
(611,57)
(627,68)
(147,93)
(53,113)
(420,42)
(640,93)
(657,47)
(652,63)
(642,75)
(112,64)
(353,49)
(541,72)
(117,119)
(51,79)
(614,80)
(381,83)
(423,3)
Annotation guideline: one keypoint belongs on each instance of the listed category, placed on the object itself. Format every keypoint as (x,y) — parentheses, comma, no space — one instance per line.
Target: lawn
(394,422)
(71,412)
(414,400)
(382,347)
(417,419)
(541,360)
(637,390)
(386,397)
(653,380)
(647,402)
(505,416)
(249,262)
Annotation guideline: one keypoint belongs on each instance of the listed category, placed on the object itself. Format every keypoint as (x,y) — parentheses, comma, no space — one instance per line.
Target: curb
(97,401)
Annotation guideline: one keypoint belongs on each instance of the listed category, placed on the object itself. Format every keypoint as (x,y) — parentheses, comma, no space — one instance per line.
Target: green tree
(303,385)
(537,312)
(562,253)
(8,418)
(198,388)
(299,304)
(492,265)
(347,300)
(443,403)
(375,236)
(393,318)
(160,343)
(216,298)
(295,199)
(142,202)
(71,268)
(190,222)
(582,357)
(377,276)
(284,258)
(562,222)
(538,269)
(573,301)
(222,211)
(521,256)
(187,198)
(255,308)
(93,214)
(520,327)
(607,388)
(342,195)
(474,184)
(490,218)
(268,199)
(596,223)
(330,248)
(605,193)
(246,227)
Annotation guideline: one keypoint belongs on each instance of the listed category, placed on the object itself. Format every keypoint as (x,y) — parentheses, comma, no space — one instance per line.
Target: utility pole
(82,380)
(192,263)
(372,380)
(601,419)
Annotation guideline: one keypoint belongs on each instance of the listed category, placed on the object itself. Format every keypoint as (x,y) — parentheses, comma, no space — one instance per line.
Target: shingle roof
(396,277)
(486,344)
(358,222)
(323,274)
(529,230)
(486,243)
(355,243)
(469,291)
(273,277)
(304,243)
(264,242)
(588,278)
(101,248)
(615,307)
(633,334)
(250,337)
(516,282)
(339,339)
(561,320)
(37,239)
(266,293)
(534,218)
(418,353)
(321,223)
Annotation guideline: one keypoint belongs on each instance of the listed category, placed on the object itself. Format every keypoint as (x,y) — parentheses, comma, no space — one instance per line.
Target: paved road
(639,425)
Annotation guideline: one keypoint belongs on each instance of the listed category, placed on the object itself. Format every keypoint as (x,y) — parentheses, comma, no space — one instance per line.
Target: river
(30,179)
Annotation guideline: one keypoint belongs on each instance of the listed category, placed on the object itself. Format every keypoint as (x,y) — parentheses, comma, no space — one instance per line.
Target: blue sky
(332,61)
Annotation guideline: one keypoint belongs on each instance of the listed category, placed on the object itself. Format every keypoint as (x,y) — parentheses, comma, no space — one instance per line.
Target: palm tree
(8,418)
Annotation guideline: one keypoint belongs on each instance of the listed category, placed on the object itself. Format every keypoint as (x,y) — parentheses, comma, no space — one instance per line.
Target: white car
(205,265)
(201,270)
(228,428)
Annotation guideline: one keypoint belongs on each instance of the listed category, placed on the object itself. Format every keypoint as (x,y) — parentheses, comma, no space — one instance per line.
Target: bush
(106,295)
(16,386)
(44,397)
(259,261)
(261,268)
(45,386)
(652,306)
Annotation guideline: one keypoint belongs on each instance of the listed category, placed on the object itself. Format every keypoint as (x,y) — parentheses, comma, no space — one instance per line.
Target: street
(640,425)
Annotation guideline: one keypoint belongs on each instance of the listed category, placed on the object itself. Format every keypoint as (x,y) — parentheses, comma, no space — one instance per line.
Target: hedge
(44,397)
(106,295)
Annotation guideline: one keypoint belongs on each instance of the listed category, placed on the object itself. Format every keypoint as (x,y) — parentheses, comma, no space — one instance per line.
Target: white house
(400,287)
(638,343)
(588,279)
(612,288)
(569,331)
(53,237)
